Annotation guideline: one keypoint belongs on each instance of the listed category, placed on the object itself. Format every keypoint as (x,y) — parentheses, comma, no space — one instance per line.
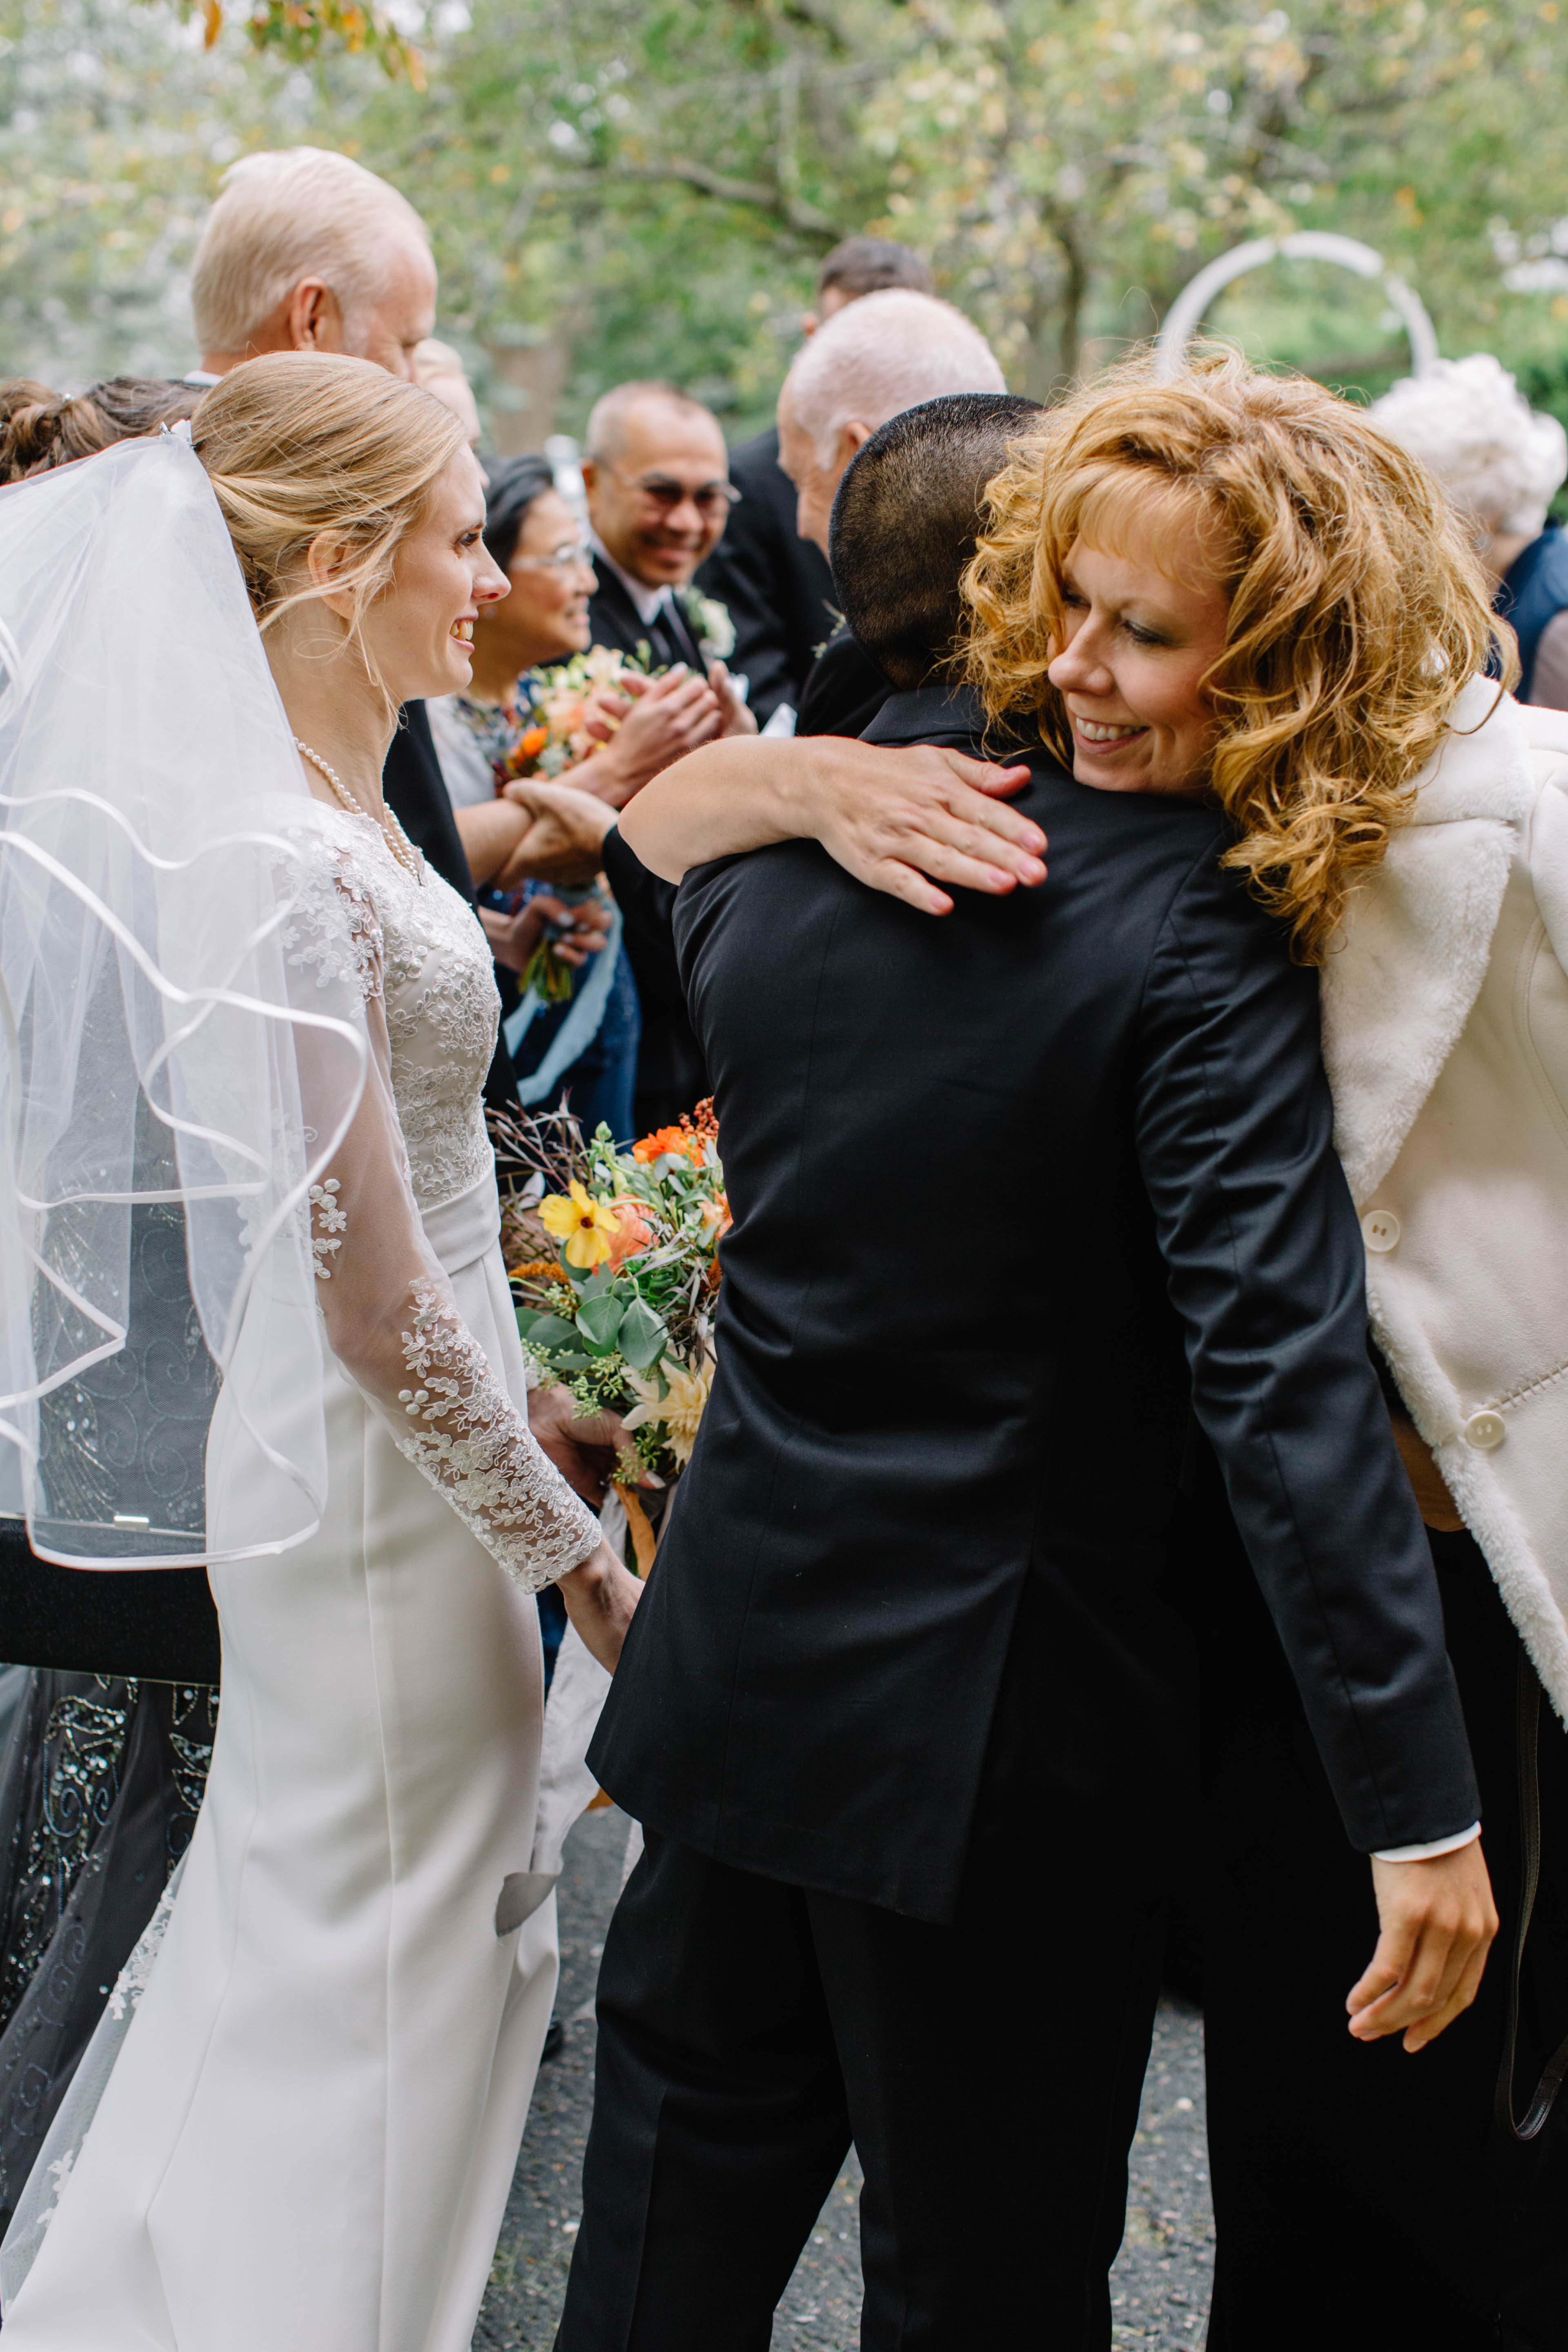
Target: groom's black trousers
(988,2072)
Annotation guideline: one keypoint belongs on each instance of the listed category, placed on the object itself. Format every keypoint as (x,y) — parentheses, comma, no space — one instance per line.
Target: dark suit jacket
(1009,1189)
(671,1075)
(776,585)
(845,690)
(614,620)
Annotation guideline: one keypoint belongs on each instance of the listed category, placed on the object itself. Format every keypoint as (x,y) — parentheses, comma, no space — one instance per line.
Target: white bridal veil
(164,985)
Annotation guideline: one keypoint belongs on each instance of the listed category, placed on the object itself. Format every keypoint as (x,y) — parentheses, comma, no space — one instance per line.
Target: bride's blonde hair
(304,443)
(1358,609)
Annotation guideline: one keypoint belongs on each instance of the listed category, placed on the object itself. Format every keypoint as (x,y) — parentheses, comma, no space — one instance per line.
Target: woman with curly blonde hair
(1232,589)
(1354,613)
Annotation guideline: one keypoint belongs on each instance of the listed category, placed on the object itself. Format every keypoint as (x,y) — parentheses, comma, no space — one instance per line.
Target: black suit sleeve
(671,1075)
(1266,1269)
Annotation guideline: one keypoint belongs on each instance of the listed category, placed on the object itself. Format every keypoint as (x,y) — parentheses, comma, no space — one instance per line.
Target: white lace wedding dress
(308,2134)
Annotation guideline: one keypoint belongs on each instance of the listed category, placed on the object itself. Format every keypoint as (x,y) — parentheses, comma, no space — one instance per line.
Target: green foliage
(647,189)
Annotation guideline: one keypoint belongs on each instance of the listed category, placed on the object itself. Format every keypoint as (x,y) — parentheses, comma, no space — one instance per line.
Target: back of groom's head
(905,522)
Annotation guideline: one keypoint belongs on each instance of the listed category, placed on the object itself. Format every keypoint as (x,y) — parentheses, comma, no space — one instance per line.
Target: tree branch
(763,194)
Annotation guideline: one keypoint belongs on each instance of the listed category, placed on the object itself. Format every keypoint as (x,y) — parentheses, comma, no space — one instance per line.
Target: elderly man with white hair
(307,251)
(1502,462)
(874,359)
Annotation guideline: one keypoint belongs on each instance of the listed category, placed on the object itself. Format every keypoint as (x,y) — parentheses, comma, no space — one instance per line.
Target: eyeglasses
(661,491)
(565,559)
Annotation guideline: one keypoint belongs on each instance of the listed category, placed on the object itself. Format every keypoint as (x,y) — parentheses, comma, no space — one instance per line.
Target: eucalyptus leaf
(550,1331)
(643,1336)
(599,1321)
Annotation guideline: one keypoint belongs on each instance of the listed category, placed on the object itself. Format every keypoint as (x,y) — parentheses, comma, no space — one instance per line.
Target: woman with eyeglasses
(585,1049)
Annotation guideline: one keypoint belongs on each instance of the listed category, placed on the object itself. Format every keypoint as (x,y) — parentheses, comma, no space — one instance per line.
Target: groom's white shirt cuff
(1430,1852)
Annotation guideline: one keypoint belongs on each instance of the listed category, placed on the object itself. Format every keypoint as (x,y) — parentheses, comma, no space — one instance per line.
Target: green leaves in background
(636,189)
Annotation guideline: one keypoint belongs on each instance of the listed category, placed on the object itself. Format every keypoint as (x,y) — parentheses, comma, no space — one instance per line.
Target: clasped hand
(581,933)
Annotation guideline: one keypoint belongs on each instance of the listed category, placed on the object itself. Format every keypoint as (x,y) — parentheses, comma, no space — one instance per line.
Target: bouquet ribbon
(579,1029)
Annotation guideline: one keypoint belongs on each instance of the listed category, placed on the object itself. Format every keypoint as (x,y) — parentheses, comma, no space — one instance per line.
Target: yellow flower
(680,1410)
(589,1228)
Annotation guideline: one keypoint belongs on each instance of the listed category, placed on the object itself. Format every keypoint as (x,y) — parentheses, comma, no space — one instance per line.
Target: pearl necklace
(396,840)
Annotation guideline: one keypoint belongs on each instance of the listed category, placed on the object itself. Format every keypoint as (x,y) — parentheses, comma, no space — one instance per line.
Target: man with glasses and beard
(656,475)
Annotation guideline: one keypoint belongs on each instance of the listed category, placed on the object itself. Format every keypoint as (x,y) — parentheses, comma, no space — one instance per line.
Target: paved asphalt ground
(1159,2289)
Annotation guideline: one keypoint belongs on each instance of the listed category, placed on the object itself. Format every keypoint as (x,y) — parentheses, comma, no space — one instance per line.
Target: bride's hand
(600,1597)
(586,1448)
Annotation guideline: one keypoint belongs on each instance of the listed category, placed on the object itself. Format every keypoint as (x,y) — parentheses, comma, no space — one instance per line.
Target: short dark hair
(512,489)
(905,521)
(865,265)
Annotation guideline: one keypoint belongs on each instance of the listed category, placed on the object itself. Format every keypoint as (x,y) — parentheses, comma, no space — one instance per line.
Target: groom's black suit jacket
(1009,1188)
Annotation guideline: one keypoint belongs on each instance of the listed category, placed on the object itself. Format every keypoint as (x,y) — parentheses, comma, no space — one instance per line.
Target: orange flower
(635,1234)
(524,751)
(536,1269)
(684,1140)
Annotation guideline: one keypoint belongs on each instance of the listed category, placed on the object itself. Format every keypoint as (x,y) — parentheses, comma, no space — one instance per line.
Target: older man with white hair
(1502,462)
(874,359)
(307,251)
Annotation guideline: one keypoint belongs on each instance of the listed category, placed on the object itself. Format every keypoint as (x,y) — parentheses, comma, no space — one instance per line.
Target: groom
(906,1711)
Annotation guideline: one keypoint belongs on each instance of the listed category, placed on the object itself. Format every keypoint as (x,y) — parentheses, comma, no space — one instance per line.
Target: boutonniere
(710,623)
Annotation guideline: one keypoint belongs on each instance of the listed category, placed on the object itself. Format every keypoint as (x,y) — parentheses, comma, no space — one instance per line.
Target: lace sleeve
(394,1326)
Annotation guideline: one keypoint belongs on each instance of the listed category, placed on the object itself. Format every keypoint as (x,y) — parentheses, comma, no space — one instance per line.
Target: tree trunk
(532,377)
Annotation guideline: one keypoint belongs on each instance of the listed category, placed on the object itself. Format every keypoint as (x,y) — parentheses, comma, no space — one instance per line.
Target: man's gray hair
(299,212)
(882,355)
(607,431)
(1499,460)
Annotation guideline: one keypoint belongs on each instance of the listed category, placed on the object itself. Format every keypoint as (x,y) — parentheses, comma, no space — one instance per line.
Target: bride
(226,980)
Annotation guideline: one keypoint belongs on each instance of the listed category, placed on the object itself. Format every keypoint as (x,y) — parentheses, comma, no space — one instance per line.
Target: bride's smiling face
(419,632)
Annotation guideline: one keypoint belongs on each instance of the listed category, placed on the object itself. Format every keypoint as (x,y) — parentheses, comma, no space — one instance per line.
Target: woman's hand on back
(903,820)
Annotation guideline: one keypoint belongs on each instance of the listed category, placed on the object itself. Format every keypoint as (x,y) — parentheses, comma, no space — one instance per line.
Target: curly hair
(1357,607)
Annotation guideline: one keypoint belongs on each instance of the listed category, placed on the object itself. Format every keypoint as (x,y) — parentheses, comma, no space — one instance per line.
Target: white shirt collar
(649,602)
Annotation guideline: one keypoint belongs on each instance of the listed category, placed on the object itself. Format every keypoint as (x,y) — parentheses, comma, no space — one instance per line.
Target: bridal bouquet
(614,1263)
(555,734)
(547,734)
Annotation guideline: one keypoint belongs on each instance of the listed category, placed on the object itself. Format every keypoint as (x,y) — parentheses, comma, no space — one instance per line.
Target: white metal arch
(1186,313)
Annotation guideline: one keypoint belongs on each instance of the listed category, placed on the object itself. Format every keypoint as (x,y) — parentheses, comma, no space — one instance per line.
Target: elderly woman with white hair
(1502,462)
